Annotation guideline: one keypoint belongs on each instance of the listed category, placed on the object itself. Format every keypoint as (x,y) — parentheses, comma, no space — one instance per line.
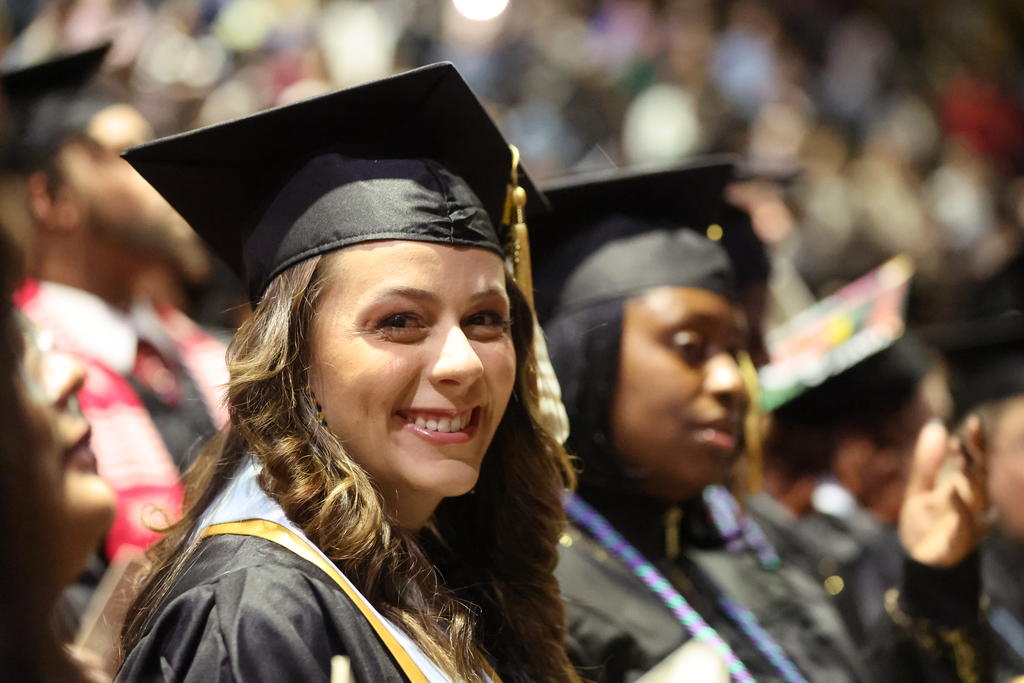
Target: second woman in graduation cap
(646,335)
(647,338)
(385,490)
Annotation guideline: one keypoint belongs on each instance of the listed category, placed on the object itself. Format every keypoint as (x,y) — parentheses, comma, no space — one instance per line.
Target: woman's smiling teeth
(435,423)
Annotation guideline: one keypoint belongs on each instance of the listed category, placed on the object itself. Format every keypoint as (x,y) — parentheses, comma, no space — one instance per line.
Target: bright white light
(480,10)
(661,125)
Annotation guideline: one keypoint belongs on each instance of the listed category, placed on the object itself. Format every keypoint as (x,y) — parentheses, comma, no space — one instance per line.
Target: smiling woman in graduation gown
(384,490)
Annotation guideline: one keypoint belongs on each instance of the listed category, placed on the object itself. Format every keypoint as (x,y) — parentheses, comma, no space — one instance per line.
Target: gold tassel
(748,475)
(519,237)
(673,517)
(753,430)
(548,407)
(524,268)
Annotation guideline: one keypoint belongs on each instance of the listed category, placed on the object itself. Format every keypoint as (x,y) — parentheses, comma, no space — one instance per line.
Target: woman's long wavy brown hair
(496,548)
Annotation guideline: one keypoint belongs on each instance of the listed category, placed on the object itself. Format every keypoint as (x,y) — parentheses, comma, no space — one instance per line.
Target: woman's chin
(677,486)
(449,480)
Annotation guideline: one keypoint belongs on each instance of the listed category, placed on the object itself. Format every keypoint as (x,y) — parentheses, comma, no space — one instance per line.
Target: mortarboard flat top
(616,233)
(47,104)
(66,72)
(835,335)
(687,194)
(414,156)
(985,358)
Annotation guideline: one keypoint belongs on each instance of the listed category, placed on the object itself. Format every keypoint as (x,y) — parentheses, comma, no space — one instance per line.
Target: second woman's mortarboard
(412,157)
(615,234)
(50,102)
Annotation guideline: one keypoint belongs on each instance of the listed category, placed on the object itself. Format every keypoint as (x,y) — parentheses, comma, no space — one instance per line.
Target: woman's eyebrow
(489,292)
(693,318)
(429,296)
(706,322)
(407,293)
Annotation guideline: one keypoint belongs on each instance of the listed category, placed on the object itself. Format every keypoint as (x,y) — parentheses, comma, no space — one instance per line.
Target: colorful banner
(836,333)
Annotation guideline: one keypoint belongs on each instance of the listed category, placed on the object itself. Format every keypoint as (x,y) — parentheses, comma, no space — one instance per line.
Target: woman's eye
(691,347)
(486,325)
(400,320)
(402,327)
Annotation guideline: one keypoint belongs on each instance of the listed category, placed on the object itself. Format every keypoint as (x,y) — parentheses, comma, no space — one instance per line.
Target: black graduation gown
(912,622)
(856,557)
(933,631)
(618,629)
(1003,579)
(248,609)
(793,609)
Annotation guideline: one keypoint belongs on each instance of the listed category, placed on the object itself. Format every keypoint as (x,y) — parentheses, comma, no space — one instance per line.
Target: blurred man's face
(119,127)
(1006,466)
(118,206)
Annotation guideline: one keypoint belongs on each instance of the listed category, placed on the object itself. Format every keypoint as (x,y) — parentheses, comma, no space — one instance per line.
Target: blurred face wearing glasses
(61,435)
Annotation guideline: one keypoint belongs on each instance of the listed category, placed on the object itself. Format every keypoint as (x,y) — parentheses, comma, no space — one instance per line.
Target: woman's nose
(723,377)
(457,361)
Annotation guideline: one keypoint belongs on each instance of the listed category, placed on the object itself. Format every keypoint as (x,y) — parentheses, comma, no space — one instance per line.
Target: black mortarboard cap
(880,383)
(985,359)
(414,156)
(615,234)
(1000,293)
(747,252)
(48,103)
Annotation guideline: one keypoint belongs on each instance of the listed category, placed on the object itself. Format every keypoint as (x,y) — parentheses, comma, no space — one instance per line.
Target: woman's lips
(717,436)
(80,456)
(441,428)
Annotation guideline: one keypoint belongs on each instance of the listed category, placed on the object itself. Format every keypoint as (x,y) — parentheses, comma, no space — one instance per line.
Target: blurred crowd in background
(865,130)
(870,128)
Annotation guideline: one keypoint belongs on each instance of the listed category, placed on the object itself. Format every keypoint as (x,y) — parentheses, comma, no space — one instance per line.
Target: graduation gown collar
(655,526)
(244,508)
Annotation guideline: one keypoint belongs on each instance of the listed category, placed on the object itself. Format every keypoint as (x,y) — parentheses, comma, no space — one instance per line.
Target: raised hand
(942,518)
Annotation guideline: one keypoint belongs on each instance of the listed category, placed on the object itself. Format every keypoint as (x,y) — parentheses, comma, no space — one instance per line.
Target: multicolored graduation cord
(611,540)
(738,530)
